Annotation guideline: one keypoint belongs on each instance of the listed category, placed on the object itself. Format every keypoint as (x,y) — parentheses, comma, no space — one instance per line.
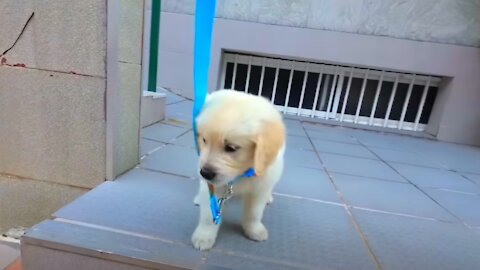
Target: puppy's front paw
(256,231)
(203,238)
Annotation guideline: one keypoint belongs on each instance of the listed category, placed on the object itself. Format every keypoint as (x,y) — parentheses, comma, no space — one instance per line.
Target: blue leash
(204,17)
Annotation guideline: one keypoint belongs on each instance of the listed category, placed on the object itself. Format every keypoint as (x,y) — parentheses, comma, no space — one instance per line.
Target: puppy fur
(237,131)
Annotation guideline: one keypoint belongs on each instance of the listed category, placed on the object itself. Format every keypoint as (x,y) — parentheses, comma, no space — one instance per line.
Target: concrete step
(152,108)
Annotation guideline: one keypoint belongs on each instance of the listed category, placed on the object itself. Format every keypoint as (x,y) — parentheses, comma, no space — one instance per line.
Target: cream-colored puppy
(238,131)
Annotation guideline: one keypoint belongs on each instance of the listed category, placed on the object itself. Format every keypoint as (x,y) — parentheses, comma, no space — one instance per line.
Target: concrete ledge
(59,244)
(152,108)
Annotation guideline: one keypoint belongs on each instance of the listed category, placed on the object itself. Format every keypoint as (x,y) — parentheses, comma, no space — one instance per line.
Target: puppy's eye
(204,140)
(230,148)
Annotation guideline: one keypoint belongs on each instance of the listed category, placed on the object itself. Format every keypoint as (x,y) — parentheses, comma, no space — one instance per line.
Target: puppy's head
(237,131)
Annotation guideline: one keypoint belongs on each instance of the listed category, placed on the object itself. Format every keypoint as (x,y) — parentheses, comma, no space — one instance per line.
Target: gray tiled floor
(472,177)
(464,206)
(298,237)
(409,157)
(307,182)
(162,132)
(330,134)
(371,201)
(302,158)
(342,149)
(174,159)
(360,166)
(437,178)
(186,140)
(299,142)
(406,243)
(389,196)
(147,146)
(396,185)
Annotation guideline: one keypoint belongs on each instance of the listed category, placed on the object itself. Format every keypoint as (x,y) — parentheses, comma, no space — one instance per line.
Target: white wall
(456,120)
(442,21)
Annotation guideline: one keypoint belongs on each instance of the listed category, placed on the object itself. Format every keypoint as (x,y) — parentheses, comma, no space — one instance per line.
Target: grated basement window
(339,93)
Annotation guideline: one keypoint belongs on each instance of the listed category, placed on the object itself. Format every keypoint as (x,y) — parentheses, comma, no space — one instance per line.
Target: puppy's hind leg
(253,207)
(205,234)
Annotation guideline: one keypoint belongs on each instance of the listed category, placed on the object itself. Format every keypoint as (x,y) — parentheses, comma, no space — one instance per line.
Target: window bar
(234,76)
(314,107)
(407,100)
(422,103)
(362,92)
(375,101)
(261,78)
(332,92)
(347,92)
(224,71)
(274,90)
(324,91)
(390,102)
(305,77)
(287,98)
(247,83)
(338,93)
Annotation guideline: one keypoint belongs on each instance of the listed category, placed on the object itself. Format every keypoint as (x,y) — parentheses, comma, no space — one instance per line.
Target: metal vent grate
(340,93)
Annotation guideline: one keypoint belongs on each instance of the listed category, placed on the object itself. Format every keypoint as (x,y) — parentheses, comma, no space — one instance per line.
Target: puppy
(238,131)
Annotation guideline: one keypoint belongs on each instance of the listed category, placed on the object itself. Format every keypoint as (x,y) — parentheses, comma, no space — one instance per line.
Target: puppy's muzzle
(208,173)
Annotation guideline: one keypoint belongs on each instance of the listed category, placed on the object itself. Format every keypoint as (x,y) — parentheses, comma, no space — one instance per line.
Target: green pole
(154,33)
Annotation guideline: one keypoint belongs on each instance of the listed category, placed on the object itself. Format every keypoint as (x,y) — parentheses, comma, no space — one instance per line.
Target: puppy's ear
(268,143)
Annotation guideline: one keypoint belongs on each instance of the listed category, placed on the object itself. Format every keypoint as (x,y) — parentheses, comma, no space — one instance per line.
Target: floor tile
(342,149)
(408,243)
(388,196)
(464,206)
(436,178)
(185,140)
(181,111)
(298,142)
(301,232)
(294,128)
(292,123)
(173,159)
(220,260)
(412,158)
(302,158)
(360,166)
(147,146)
(312,126)
(386,141)
(456,157)
(306,182)
(473,177)
(464,166)
(330,135)
(161,132)
(140,201)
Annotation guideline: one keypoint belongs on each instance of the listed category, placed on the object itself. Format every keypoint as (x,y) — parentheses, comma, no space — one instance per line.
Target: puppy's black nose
(208,173)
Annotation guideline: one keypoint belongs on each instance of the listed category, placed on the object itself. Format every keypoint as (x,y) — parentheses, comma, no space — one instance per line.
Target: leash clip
(216,205)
